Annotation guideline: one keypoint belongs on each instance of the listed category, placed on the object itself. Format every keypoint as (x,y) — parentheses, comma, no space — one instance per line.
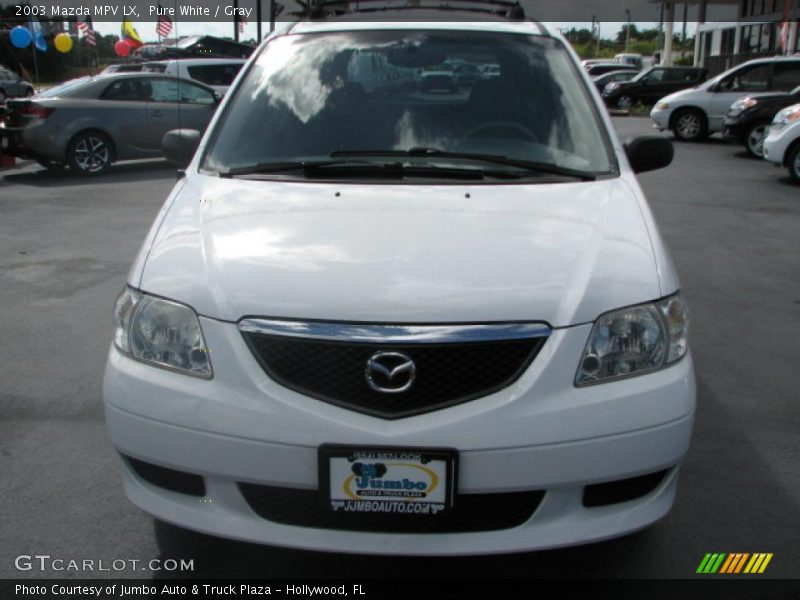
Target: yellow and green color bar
(734,563)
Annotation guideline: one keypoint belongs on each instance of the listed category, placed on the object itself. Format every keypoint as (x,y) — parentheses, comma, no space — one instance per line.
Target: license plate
(412,481)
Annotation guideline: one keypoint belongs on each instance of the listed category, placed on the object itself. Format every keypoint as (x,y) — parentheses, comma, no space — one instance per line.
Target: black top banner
(291,10)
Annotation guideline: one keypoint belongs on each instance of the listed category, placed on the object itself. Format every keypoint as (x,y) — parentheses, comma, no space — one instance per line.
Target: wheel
(511,125)
(689,125)
(793,163)
(90,153)
(754,140)
(624,102)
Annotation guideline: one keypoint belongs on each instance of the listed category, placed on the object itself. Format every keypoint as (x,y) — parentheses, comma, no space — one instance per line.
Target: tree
(622,33)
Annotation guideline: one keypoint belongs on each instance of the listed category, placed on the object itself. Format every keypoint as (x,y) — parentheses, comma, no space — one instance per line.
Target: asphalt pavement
(66,244)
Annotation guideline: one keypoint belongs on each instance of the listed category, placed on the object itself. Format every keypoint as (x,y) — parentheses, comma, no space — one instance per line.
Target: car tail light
(37,110)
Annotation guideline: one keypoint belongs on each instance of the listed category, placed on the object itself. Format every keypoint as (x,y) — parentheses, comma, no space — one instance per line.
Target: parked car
(782,144)
(398,323)
(649,86)
(749,118)
(601,68)
(592,61)
(490,71)
(439,78)
(12,85)
(601,81)
(467,74)
(217,73)
(696,113)
(90,123)
(634,60)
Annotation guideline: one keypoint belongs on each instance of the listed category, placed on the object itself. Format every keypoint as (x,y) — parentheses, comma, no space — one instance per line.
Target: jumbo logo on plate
(395,477)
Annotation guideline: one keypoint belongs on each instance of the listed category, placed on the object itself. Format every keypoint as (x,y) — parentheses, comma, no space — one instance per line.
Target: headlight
(786,116)
(742,104)
(611,86)
(160,332)
(662,105)
(635,340)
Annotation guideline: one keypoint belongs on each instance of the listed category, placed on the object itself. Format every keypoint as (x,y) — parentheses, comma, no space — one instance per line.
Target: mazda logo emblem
(390,372)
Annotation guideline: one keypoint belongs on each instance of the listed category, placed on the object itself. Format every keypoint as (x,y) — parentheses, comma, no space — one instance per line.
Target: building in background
(760,28)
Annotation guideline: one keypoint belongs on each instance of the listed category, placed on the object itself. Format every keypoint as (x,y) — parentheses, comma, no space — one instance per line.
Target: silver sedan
(89,123)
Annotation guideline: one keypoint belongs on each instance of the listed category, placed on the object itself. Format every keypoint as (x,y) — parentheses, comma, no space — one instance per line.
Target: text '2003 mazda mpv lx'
(375,318)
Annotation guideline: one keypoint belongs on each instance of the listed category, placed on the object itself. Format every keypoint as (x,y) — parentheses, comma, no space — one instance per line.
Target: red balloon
(121,48)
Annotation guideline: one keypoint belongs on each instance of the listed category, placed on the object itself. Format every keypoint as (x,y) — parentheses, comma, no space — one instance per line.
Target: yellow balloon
(63,42)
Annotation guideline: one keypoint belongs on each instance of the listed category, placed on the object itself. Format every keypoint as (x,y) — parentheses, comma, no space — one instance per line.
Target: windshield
(309,97)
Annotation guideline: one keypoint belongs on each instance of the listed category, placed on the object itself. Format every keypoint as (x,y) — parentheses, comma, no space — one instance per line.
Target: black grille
(446,374)
(169,479)
(622,490)
(470,512)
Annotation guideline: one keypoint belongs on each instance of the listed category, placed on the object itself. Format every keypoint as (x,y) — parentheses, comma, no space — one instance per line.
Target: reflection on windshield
(314,94)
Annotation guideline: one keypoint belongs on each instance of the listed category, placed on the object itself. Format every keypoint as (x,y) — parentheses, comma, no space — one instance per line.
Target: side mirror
(218,96)
(179,146)
(648,153)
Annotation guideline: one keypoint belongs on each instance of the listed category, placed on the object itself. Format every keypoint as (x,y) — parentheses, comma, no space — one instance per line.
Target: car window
(154,67)
(786,75)
(66,88)
(309,95)
(750,79)
(123,90)
(222,74)
(177,91)
(654,76)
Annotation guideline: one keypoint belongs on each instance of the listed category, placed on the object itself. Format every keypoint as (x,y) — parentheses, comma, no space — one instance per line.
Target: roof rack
(322,9)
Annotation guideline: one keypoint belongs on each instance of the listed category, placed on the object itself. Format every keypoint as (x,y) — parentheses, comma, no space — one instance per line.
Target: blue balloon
(21,37)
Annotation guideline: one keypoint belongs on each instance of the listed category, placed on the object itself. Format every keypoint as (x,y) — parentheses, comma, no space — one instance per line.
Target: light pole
(628,30)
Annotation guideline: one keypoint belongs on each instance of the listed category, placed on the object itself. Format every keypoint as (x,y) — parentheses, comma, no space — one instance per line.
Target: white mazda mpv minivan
(383,319)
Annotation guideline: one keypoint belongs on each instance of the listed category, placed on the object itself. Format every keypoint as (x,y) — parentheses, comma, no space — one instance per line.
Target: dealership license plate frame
(327,453)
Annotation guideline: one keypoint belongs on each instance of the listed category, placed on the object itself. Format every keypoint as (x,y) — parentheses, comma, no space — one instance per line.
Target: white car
(216,73)
(394,323)
(696,113)
(782,144)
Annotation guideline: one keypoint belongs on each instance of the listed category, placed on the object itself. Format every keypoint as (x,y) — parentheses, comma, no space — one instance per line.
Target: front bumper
(541,433)
(734,131)
(660,118)
(777,143)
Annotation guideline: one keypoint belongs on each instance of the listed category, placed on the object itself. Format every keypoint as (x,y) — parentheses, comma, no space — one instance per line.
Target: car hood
(561,253)
(698,93)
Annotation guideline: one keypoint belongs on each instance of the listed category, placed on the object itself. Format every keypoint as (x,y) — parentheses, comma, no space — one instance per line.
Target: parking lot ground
(66,243)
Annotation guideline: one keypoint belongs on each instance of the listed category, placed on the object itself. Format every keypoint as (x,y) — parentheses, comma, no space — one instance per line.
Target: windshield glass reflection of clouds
(510,95)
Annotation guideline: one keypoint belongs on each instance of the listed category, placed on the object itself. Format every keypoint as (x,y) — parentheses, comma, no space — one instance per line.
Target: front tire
(689,125)
(754,140)
(793,163)
(90,153)
(624,102)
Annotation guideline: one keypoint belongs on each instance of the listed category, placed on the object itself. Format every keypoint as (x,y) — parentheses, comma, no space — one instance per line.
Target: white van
(217,73)
(634,60)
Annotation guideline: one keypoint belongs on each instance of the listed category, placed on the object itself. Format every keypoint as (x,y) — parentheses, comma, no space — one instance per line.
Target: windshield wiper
(355,168)
(497,159)
(277,167)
